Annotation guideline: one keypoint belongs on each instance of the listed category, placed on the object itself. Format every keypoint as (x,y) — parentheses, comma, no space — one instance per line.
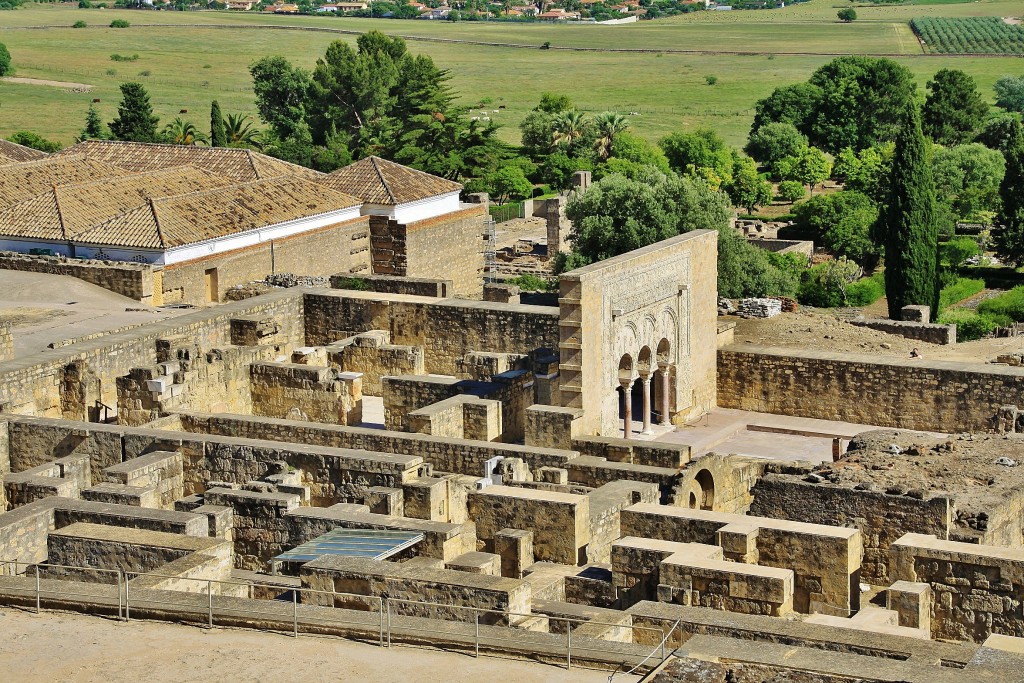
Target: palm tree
(240,130)
(608,124)
(182,132)
(569,126)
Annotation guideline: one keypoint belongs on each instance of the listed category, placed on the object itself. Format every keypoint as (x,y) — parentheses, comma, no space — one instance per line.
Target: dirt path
(39,81)
(76,648)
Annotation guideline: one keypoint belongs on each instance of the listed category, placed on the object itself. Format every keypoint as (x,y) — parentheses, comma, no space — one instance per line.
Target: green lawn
(191,65)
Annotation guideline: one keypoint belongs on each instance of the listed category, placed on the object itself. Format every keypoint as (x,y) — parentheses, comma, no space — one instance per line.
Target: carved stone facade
(639,329)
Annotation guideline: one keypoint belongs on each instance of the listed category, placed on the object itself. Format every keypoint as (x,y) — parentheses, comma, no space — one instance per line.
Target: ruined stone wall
(306,392)
(882,518)
(259,531)
(393,284)
(978,590)
(926,332)
(927,395)
(447,330)
(36,385)
(375,357)
(6,341)
(133,280)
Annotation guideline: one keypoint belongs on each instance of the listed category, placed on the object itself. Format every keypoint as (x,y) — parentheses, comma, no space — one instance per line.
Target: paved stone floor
(763,435)
(75,648)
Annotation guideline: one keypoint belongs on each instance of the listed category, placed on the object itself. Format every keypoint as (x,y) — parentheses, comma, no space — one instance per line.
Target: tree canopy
(967,179)
(1010,93)
(841,222)
(5,60)
(954,108)
(135,120)
(702,153)
(218,131)
(1010,242)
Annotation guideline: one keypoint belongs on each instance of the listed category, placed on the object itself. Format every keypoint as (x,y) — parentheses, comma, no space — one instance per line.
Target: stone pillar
(666,401)
(647,403)
(627,406)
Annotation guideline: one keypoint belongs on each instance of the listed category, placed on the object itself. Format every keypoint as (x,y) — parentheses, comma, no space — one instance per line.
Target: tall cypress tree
(135,120)
(909,223)
(218,132)
(1010,241)
(93,126)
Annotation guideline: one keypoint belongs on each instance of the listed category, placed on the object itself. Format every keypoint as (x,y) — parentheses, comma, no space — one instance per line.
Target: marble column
(666,400)
(647,403)
(627,398)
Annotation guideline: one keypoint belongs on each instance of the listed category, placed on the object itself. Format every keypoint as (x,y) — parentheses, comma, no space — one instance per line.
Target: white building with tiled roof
(396,191)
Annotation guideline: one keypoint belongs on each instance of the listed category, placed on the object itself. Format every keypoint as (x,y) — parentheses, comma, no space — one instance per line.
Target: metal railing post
(37,589)
(664,640)
(120,598)
(381,600)
(476,622)
(127,601)
(209,593)
(295,613)
(388,603)
(568,645)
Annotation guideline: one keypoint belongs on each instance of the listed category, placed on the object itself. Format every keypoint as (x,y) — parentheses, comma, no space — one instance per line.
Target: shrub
(356,283)
(957,250)
(531,283)
(29,139)
(711,80)
(867,291)
(1009,305)
(123,58)
(119,23)
(84,4)
(79,24)
(144,73)
(970,325)
(825,284)
(111,72)
(791,191)
(958,290)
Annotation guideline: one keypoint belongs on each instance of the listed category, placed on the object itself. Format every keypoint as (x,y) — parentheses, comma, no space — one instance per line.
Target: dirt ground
(83,87)
(71,647)
(829,331)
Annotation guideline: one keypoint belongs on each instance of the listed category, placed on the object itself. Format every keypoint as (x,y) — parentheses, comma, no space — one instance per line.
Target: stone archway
(665,381)
(706,482)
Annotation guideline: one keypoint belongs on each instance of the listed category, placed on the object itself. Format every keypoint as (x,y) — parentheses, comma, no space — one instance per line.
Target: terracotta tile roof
(238,164)
(27,179)
(162,223)
(64,211)
(379,181)
(12,152)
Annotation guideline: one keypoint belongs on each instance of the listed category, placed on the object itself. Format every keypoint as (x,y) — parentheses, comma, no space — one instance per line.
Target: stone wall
(447,330)
(306,392)
(393,284)
(373,355)
(6,341)
(926,332)
(450,247)
(978,590)
(881,517)
(88,370)
(921,394)
(133,280)
(326,251)
(260,531)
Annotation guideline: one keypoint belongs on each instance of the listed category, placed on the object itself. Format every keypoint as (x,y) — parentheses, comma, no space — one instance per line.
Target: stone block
(474,562)
(383,500)
(515,548)
(912,602)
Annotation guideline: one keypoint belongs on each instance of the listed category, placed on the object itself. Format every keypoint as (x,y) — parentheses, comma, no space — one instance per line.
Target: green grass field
(190,65)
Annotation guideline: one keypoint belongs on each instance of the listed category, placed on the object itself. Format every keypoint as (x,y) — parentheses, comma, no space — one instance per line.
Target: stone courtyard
(615,482)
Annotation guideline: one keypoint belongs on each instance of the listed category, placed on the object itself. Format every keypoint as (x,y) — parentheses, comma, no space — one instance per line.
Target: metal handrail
(660,646)
(382,605)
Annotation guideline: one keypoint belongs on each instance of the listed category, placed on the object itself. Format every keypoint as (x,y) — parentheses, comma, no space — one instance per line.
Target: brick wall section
(447,330)
(882,518)
(926,395)
(133,280)
(339,248)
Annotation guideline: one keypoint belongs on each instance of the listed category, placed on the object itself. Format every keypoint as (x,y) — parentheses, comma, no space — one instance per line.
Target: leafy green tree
(182,132)
(997,131)
(552,103)
(955,252)
(537,129)
(703,149)
(747,188)
(847,14)
(862,100)
(791,191)
(282,91)
(93,126)
(908,223)
(866,171)
(1010,93)
(559,168)
(29,139)
(218,131)
(775,141)
(5,61)
(509,183)
(1010,241)
(841,222)
(608,126)
(954,108)
(745,270)
(135,120)
(810,168)
(572,131)
(637,150)
(793,104)
(967,179)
